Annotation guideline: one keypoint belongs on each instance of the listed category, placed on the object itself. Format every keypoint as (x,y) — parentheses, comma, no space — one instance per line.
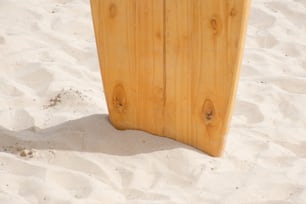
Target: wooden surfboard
(171,67)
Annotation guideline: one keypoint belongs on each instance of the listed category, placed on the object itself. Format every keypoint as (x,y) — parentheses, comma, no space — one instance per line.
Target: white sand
(58,147)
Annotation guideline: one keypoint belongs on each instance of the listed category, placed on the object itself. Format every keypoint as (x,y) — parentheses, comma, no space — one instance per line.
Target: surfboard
(171,67)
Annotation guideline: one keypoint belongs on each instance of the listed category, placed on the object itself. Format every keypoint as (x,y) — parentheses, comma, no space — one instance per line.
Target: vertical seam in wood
(164,66)
(135,21)
(164,56)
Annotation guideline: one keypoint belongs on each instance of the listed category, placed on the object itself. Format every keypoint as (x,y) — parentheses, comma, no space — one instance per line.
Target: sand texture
(57,146)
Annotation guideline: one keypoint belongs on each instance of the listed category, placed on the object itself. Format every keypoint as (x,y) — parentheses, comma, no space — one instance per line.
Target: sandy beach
(58,147)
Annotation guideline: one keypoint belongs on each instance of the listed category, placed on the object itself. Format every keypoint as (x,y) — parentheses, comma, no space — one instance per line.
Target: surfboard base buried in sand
(171,67)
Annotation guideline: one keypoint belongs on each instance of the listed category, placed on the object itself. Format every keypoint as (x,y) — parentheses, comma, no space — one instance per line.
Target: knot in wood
(216,24)
(119,99)
(112,10)
(208,112)
(213,23)
(233,12)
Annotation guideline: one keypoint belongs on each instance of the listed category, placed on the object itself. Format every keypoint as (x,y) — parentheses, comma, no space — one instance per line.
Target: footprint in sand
(288,110)
(78,163)
(68,48)
(304,65)
(295,15)
(297,148)
(2,40)
(16,119)
(291,49)
(22,168)
(132,194)
(63,1)
(279,193)
(273,202)
(249,110)
(248,70)
(291,85)
(266,40)
(75,184)
(260,19)
(9,89)
(34,76)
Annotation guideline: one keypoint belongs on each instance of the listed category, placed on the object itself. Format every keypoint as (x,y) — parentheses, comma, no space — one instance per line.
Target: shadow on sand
(89,134)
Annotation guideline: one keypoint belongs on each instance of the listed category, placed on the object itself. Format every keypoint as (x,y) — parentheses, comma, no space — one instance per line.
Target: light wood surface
(171,67)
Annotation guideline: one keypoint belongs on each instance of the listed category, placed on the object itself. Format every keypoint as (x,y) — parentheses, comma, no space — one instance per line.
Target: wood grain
(171,67)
